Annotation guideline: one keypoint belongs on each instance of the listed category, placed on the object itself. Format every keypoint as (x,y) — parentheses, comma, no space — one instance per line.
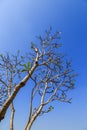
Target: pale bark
(11,105)
(52,80)
(12,117)
(16,90)
(33,118)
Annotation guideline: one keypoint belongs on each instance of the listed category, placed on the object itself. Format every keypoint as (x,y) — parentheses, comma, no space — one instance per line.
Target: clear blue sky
(20,22)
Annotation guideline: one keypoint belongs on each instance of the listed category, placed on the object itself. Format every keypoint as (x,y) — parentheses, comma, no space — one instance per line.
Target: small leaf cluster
(27,67)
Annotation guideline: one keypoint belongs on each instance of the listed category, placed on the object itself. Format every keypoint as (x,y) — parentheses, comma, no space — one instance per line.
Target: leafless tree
(51,75)
(52,79)
(10,68)
(5,100)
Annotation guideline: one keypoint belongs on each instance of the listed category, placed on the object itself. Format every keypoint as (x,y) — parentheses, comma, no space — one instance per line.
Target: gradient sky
(20,22)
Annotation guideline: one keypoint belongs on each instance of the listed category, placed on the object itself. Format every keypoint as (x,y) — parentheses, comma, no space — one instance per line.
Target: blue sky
(20,22)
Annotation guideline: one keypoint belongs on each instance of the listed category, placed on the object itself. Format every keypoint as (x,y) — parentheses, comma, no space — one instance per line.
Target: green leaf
(72,83)
(50,108)
(1,55)
(24,70)
(28,65)
(25,66)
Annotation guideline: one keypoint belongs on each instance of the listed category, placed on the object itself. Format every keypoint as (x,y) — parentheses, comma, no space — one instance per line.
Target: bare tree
(10,68)
(51,74)
(6,101)
(52,79)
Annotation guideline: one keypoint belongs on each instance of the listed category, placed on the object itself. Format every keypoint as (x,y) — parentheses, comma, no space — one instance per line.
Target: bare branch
(16,89)
(47,67)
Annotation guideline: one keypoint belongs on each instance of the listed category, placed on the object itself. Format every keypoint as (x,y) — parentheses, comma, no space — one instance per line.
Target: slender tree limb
(16,90)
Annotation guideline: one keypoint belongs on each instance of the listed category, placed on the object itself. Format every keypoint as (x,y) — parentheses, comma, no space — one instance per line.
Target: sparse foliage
(51,75)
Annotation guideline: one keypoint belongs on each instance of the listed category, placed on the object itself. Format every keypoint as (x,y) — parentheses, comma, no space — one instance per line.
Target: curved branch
(16,90)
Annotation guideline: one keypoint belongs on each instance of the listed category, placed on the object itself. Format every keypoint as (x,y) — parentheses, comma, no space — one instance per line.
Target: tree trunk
(29,124)
(33,118)
(16,90)
(12,117)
